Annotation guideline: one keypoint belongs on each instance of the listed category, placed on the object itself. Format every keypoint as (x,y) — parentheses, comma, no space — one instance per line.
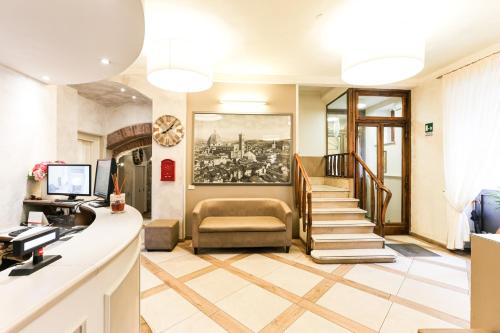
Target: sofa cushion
(241,223)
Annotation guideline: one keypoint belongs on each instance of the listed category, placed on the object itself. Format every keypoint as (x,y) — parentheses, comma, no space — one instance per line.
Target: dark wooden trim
(338,97)
(403,94)
(405,123)
(354,120)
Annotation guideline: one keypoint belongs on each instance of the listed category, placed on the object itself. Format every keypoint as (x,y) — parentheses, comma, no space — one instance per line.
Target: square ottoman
(161,235)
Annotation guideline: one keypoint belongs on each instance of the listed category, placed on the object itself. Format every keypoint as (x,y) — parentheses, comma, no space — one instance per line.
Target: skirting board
(428,240)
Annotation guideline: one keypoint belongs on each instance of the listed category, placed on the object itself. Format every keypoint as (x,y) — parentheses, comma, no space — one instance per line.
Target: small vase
(33,189)
(117,202)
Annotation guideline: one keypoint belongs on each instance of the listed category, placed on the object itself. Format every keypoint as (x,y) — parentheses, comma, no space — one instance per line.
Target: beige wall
(280,99)
(76,114)
(126,115)
(312,124)
(428,210)
(167,198)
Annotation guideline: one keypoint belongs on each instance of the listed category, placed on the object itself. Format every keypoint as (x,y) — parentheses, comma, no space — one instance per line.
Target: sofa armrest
(285,214)
(199,213)
(286,217)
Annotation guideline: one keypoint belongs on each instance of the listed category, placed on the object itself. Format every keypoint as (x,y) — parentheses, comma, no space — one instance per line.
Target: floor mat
(412,250)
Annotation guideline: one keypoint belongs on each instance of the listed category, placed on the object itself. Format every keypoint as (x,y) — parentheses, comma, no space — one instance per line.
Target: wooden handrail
(303,198)
(343,165)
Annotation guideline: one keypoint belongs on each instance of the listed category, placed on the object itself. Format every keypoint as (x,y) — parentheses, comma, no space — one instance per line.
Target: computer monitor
(103,184)
(69,179)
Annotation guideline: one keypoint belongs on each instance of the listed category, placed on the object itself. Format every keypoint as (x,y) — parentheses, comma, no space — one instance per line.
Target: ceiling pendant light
(382,60)
(178,65)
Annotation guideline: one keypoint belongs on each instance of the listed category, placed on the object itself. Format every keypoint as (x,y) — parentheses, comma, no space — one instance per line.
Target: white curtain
(471,129)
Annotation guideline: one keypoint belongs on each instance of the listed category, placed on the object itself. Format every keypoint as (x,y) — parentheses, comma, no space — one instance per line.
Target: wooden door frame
(380,122)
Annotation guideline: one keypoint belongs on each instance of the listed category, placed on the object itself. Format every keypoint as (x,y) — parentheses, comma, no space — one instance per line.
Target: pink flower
(40,169)
(39,175)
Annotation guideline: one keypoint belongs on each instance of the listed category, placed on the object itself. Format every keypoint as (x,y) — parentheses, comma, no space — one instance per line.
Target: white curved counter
(94,287)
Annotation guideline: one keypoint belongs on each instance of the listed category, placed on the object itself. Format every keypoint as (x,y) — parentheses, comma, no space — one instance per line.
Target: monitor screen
(68,179)
(103,184)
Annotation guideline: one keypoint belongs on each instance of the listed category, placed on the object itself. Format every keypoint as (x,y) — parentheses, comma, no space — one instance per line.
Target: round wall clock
(168,131)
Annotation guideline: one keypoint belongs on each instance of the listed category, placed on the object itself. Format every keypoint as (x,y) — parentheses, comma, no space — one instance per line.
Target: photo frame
(242,149)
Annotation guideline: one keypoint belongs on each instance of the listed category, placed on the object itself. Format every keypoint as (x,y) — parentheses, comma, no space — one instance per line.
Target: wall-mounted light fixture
(242,102)
(243,105)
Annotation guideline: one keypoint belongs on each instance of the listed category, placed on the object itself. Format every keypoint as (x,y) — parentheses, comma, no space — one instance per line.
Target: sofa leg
(195,249)
(287,249)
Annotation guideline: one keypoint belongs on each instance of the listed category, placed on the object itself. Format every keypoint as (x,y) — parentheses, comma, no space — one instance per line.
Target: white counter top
(22,298)
(491,237)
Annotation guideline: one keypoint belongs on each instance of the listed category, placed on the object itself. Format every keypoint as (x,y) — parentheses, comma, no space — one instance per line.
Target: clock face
(168,131)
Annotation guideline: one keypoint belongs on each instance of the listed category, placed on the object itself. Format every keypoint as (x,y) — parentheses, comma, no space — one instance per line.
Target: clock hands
(168,129)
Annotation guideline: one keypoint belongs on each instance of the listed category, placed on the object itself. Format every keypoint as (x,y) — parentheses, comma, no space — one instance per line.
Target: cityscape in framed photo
(242,149)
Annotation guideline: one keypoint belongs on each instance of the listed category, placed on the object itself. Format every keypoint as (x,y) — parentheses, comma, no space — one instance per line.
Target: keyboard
(67,231)
(99,204)
(17,232)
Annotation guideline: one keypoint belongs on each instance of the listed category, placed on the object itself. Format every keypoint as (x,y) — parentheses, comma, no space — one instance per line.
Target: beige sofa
(242,222)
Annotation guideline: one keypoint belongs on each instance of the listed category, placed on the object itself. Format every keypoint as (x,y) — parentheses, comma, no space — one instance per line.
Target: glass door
(393,172)
(382,148)
(367,147)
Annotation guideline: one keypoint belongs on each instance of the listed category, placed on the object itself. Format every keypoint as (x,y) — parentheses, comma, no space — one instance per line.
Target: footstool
(161,235)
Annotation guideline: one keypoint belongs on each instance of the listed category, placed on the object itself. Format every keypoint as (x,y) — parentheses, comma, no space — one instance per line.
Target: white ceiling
(298,41)
(66,39)
(265,41)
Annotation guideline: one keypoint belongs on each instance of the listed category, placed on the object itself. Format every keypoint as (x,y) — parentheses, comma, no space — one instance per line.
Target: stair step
(346,237)
(342,227)
(326,191)
(336,223)
(335,203)
(321,214)
(347,241)
(327,188)
(352,256)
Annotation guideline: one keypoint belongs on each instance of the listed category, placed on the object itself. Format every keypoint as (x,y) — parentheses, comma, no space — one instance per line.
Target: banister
(300,166)
(338,166)
(377,180)
(303,199)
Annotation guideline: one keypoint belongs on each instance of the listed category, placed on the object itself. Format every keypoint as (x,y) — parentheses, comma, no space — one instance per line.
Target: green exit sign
(429,128)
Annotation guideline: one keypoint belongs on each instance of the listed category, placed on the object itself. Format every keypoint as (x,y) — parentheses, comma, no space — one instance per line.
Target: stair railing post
(304,198)
(380,223)
(309,222)
(372,199)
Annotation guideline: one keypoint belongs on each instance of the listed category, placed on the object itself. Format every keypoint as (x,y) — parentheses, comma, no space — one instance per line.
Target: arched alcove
(130,137)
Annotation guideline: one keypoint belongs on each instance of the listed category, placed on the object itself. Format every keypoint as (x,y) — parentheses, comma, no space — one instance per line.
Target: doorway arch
(130,137)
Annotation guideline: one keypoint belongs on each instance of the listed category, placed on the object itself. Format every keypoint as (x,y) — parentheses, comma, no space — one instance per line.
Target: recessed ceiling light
(105,61)
(134,97)
(46,78)
(122,89)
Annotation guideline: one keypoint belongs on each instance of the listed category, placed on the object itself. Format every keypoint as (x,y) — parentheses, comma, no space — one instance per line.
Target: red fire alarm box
(167,170)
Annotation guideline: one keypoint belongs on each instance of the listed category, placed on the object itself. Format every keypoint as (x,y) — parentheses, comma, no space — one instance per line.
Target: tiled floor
(266,291)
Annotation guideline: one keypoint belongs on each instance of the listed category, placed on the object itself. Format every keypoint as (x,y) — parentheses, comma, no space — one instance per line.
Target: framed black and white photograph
(242,149)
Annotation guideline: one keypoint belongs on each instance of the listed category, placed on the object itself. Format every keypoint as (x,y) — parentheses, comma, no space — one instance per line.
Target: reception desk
(94,287)
(485,277)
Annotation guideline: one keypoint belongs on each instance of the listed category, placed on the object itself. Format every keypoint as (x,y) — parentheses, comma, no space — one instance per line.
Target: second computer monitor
(103,184)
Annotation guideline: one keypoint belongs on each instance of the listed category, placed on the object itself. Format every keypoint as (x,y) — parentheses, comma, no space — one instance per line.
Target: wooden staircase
(334,227)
